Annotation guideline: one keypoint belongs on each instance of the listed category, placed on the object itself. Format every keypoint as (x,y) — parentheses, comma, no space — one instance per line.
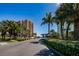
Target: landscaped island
(66,38)
(65,47)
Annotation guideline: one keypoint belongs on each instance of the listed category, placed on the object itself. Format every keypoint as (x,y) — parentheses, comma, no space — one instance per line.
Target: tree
(71,15)
(3,29)
(57,23)
(47,20)
(68,11)
(76,20)
(16,29)
(60,17)
(54,34)
(12,27)
(65,13)
(28,33)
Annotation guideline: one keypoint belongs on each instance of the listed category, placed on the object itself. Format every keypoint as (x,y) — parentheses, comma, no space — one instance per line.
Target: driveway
(27,48)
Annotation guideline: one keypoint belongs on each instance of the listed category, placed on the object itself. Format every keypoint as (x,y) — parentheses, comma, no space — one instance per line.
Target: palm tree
(65,14)
(16,29)
(47,20)
(69,16)
(57,23)
(28,33)
(3,29)
(76,20)
(60,18)
(68,27)
(12,27)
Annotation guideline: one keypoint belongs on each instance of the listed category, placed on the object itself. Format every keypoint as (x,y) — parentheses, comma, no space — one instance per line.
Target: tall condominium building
(28,25)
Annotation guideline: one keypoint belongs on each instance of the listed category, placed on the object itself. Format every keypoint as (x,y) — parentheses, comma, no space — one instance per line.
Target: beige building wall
(29,26)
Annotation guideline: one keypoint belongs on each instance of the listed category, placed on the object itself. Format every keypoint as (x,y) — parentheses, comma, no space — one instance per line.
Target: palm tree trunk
(58,29)
(76,32)
(67,30)
(10,37)
(48,28)
(62,36)
(2,37)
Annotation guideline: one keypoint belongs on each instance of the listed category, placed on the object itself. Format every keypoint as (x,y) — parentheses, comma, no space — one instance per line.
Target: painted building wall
(28,26)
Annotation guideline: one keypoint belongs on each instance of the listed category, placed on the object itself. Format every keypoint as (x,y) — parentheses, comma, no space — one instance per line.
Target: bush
(7,39)
(54,34)
(20,39)
(66,48)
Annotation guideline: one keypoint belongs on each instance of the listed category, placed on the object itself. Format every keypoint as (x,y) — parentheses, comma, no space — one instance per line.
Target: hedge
(66,48)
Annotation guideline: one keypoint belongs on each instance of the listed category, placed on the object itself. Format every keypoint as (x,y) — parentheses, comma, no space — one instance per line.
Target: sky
(31,11)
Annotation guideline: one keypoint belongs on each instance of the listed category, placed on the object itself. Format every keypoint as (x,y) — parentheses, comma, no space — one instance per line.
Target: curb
(55,52)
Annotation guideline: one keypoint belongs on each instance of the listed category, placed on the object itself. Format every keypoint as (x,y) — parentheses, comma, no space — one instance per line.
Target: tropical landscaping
(12,31)
(63,40)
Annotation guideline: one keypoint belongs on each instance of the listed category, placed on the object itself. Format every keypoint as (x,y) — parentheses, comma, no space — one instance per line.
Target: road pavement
(31,47)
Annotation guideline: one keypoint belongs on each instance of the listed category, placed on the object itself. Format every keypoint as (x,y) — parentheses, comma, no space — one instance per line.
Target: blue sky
(34,12)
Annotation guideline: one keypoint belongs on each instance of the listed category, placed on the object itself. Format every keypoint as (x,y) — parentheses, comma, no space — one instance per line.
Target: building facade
(28,27)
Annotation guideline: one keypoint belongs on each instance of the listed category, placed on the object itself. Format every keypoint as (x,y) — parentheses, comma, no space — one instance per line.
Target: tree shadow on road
(45,52)
(35,42)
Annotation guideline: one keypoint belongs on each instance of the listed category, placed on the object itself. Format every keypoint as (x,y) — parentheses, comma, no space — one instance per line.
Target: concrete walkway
(27,48)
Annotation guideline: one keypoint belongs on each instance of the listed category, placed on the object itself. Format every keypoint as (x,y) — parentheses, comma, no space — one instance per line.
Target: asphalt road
(27,48)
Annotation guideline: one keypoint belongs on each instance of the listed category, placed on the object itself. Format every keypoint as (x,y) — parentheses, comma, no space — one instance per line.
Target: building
(28,27)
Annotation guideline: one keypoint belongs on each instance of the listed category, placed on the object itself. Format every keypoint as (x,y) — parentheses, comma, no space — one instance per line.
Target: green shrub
(20,39)
(7,39)
(66,48)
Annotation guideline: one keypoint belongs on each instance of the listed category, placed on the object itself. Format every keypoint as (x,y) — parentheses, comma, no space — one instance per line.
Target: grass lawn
(18,39)
(66,47)
(12,41)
